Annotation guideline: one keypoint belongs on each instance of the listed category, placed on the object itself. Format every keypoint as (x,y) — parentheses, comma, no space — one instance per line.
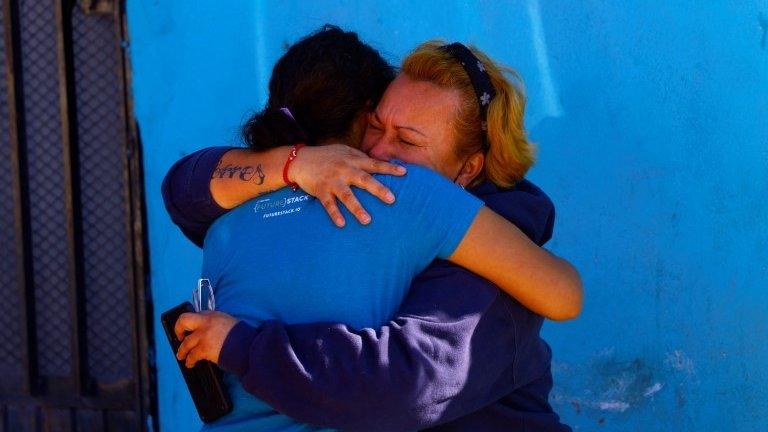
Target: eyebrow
(378,119)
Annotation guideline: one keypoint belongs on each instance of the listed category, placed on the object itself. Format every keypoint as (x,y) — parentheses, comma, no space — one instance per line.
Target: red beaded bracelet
(291,156)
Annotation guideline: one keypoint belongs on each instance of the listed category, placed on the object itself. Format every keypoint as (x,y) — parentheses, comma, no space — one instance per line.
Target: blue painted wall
(652,122)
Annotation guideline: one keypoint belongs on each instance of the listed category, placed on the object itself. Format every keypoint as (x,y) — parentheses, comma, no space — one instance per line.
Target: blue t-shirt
(279,256)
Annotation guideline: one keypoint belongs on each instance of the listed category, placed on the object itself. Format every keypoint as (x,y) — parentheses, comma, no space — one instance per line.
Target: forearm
(410,374)
(242,174)
(544,283)
(203,185)
(326,375)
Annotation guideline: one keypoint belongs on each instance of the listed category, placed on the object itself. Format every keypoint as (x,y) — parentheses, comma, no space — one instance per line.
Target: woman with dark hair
(331,81)
(358,275)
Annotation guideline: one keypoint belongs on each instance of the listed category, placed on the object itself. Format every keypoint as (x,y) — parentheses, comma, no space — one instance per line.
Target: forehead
(409,100)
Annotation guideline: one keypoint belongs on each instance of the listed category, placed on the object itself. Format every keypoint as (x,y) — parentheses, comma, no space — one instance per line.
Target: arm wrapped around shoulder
(544,283)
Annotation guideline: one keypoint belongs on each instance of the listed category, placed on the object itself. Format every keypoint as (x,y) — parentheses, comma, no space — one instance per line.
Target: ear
(472,168)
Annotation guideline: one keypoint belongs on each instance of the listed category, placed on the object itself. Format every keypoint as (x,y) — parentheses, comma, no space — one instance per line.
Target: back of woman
(280,257)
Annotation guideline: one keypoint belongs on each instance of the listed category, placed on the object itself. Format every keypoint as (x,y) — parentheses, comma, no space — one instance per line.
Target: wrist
(235,350)
(297,169)
(290,166)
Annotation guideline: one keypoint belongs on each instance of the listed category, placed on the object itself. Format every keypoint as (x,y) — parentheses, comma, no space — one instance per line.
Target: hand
(208,331)
(327,172)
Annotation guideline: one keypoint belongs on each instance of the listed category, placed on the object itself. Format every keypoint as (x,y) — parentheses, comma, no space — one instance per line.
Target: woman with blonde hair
(459,351)
(486,136)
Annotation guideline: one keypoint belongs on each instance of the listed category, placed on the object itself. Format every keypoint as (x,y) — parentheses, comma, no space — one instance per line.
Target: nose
(381,149)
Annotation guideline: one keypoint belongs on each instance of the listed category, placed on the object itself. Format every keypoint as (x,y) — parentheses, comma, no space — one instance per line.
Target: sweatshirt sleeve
(187,194)
(448,352)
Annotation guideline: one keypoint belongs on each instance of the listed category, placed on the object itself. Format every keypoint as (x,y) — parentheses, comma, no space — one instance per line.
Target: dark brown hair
(326,80)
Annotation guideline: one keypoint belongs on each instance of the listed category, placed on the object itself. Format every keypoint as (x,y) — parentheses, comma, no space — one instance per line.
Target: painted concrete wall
(652,122)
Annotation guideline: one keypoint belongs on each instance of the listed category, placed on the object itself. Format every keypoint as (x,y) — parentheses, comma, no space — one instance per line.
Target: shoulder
(417,177)
(524,204)
(534,193)
(523,192)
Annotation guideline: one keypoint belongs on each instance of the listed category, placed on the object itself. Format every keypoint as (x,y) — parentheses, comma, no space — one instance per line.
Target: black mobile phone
(204,380)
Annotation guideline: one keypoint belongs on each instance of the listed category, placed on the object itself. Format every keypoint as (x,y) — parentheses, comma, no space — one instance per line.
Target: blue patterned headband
(480,80)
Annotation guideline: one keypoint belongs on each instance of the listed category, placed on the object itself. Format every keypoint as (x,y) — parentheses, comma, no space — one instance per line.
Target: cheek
(443,160)
(415,155)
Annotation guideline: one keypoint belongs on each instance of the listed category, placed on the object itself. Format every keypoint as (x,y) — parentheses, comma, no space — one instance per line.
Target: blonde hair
(510,154)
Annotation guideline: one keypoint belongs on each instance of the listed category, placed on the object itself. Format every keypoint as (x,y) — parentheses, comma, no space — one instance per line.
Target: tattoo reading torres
(244,173)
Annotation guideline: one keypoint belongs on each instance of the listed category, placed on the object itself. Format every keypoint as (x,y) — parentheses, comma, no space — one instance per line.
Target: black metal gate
(74,322)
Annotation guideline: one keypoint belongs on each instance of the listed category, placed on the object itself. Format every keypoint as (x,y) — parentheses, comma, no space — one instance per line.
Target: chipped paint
(652,390)
(613,406)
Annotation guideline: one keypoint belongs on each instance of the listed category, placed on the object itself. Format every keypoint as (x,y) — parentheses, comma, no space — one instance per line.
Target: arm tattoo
(244,173)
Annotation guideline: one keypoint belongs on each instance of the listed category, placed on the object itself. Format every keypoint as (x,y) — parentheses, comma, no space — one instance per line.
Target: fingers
(374,187)
(187,322)
(194,356)
(375,166)
(343,193)
(368,182)
(353,205)
(329,203)
(352,168)
(189,344)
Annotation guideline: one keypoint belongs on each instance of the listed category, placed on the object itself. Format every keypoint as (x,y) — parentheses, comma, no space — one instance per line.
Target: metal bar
(20,196)
(87,420)
(121,421)
(56,419)
(22,418)
(146,394)
(68,116)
